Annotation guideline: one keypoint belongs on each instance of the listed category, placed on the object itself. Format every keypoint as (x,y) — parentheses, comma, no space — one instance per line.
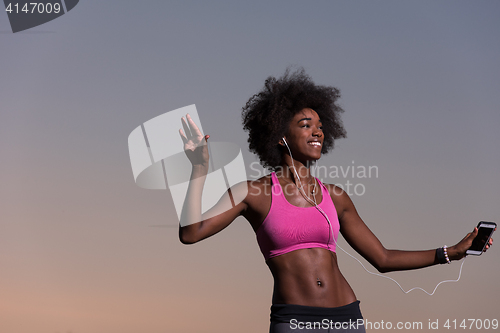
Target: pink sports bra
(288,228)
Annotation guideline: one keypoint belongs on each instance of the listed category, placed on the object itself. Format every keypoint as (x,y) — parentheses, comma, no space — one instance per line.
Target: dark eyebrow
(308,119)
(304,119)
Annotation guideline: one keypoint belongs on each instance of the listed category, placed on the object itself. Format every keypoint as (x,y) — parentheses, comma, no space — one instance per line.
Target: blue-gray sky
(79,246)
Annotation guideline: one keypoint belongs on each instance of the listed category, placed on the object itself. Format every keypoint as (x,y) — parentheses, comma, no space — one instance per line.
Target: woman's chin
(311,159)
(316,157)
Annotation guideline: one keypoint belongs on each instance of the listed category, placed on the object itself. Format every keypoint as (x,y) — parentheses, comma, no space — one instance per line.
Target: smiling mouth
(314,143)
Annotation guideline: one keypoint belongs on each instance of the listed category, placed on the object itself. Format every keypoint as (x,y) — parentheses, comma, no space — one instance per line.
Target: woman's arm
(193,226)
(220,216)
(360,237)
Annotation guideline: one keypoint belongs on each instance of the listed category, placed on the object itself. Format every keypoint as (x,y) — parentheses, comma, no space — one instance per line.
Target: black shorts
(290,318)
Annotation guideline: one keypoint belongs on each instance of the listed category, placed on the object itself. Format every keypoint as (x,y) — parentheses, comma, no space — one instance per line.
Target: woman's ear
(282,141)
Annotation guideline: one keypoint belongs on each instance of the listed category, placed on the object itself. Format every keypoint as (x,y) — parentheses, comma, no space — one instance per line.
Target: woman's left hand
(459,250)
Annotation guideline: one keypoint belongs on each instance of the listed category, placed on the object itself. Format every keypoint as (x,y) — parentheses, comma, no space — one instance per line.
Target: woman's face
(305,136)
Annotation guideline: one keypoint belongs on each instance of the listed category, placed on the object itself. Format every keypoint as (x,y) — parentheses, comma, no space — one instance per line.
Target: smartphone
(485,230)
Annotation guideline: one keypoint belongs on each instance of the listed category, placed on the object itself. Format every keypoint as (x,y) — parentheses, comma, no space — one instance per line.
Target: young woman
(296,218)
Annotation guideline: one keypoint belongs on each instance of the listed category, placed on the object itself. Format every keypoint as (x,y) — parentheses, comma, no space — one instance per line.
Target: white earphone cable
(313,202)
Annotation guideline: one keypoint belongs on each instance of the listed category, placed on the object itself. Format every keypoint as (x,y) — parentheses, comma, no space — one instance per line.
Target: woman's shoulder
(339,197)
(252,189)
(257,199)
(334,190)
(260,186)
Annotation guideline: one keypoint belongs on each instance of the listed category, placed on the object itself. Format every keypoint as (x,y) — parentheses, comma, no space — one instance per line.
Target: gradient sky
(83,249)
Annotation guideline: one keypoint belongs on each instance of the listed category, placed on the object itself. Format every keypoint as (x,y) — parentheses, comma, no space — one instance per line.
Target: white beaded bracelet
(445,249)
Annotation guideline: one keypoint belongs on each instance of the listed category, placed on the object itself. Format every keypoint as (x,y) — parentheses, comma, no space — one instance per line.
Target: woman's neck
(294,171)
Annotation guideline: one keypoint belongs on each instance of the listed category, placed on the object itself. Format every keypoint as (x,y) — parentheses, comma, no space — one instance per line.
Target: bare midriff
(309,277)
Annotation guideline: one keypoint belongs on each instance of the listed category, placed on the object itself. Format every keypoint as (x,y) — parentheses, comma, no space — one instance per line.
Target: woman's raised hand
(195,144)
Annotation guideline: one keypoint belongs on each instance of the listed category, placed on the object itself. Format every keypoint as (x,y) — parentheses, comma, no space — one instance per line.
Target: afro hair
(267,114)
